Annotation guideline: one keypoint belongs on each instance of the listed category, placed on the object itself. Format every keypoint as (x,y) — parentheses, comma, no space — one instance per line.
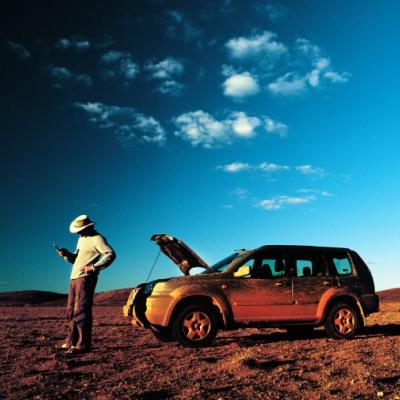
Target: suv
(292,287)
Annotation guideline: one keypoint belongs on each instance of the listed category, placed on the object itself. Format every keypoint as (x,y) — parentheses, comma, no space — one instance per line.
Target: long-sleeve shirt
(90,250)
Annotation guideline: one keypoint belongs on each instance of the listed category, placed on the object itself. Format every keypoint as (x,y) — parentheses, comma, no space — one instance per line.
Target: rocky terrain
(129,363)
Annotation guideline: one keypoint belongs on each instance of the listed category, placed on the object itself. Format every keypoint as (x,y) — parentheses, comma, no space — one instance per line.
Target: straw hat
(80,223)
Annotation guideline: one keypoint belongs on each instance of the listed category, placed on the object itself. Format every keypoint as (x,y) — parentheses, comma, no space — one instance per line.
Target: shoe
(64,346)
(77,350)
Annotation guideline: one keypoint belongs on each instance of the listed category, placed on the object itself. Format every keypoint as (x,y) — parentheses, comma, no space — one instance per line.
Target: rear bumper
(370,303)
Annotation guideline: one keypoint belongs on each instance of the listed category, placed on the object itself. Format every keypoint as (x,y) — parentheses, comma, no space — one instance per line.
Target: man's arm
(107,254)
(67,255)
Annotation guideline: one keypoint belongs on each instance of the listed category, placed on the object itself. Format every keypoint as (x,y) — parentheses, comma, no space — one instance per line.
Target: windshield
(222,265)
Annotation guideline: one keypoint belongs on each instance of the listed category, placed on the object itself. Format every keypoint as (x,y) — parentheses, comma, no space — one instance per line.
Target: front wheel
(342,321)
(195,326)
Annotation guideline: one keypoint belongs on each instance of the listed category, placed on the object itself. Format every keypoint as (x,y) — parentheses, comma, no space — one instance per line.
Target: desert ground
(129,363)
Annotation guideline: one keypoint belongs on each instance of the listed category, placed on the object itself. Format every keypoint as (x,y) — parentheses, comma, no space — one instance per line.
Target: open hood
(183,256)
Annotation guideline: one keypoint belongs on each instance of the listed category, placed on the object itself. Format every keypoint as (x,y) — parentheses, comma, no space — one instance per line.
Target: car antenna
(154,264)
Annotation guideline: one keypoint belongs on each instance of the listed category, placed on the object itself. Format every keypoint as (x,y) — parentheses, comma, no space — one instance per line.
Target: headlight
(148,288)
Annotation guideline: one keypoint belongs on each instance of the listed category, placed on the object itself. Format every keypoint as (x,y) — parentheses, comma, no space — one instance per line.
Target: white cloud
(19,50)
(241,85)
(234,167)
(201,128)
(276,127)
(250,47)
(279,202)
(62,75)
(119,65)
(240,193)
(126,122)
(244,125)
(310,170)
(75,44)
(166,71)
(336,77)
(288,84)
(272,167)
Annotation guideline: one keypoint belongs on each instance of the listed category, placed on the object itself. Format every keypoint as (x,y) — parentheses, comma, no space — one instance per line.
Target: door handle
(279,284)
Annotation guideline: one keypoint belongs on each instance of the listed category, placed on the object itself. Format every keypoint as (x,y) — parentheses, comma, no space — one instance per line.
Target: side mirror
(244,270)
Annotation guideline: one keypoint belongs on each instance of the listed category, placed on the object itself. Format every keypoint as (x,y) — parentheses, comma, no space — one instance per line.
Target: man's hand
(62,252)
(87,268)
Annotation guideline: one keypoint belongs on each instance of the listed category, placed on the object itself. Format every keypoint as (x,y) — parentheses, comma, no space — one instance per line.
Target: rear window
(340,263)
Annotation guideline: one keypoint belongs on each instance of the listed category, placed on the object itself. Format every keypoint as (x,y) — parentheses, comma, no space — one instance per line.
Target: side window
(341,264)
(268,266)
(307,265)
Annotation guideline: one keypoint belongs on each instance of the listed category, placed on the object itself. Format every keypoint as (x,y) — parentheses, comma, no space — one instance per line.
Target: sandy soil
(128,363)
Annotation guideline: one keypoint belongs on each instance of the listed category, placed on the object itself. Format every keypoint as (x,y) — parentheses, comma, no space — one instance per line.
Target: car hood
(182,255)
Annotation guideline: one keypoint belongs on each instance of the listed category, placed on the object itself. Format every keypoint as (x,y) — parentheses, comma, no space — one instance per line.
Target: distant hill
(389,295)
(41,298)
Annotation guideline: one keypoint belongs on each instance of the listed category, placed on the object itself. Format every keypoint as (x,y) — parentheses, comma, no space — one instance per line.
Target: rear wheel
(195,326)
(342,321)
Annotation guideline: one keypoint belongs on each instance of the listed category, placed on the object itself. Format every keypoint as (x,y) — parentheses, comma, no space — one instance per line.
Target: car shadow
(258,338)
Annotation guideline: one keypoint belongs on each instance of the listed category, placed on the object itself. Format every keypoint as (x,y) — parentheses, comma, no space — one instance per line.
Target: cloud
(310,170)
(239,166)
(181,28)
(127,123)
(313,70)
(279,202)
(74,44)
(274,12)
(244,125)
(19,50)
(234,167)
(276,127)
(62,75)
(262,45)
(166,71)
(241,85)
(321,193)
(288,84)
(240,193)
(272,167)
(119,65)
(201,128)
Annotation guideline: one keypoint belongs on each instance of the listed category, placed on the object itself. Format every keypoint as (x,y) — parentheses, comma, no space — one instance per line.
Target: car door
(311,279)
(264,295)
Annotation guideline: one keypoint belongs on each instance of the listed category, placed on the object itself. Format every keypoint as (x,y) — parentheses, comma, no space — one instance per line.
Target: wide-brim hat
(80,223)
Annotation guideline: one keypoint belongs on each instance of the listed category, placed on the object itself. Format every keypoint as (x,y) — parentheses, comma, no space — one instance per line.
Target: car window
(268,266)
(307,265)
(341,264)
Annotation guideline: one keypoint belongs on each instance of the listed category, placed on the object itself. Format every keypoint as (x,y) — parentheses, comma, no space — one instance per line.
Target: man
(92,254)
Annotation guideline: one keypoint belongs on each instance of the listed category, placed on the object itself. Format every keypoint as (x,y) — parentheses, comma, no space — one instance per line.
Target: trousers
(79,311)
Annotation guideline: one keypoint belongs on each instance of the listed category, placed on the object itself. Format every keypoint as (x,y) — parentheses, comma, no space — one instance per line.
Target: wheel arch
(207,300)
(344,298)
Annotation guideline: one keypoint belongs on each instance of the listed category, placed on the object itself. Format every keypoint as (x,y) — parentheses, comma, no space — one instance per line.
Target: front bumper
(136,302)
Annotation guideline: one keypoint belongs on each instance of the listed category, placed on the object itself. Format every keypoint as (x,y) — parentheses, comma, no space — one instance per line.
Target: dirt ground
(128,363)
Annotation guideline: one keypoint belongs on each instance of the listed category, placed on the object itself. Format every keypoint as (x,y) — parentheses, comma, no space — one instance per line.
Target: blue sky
(229,124)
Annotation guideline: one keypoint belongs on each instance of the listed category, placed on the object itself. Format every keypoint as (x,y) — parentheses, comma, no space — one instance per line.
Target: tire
(300,331)
(195,326)
(162,334)
(342,321)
